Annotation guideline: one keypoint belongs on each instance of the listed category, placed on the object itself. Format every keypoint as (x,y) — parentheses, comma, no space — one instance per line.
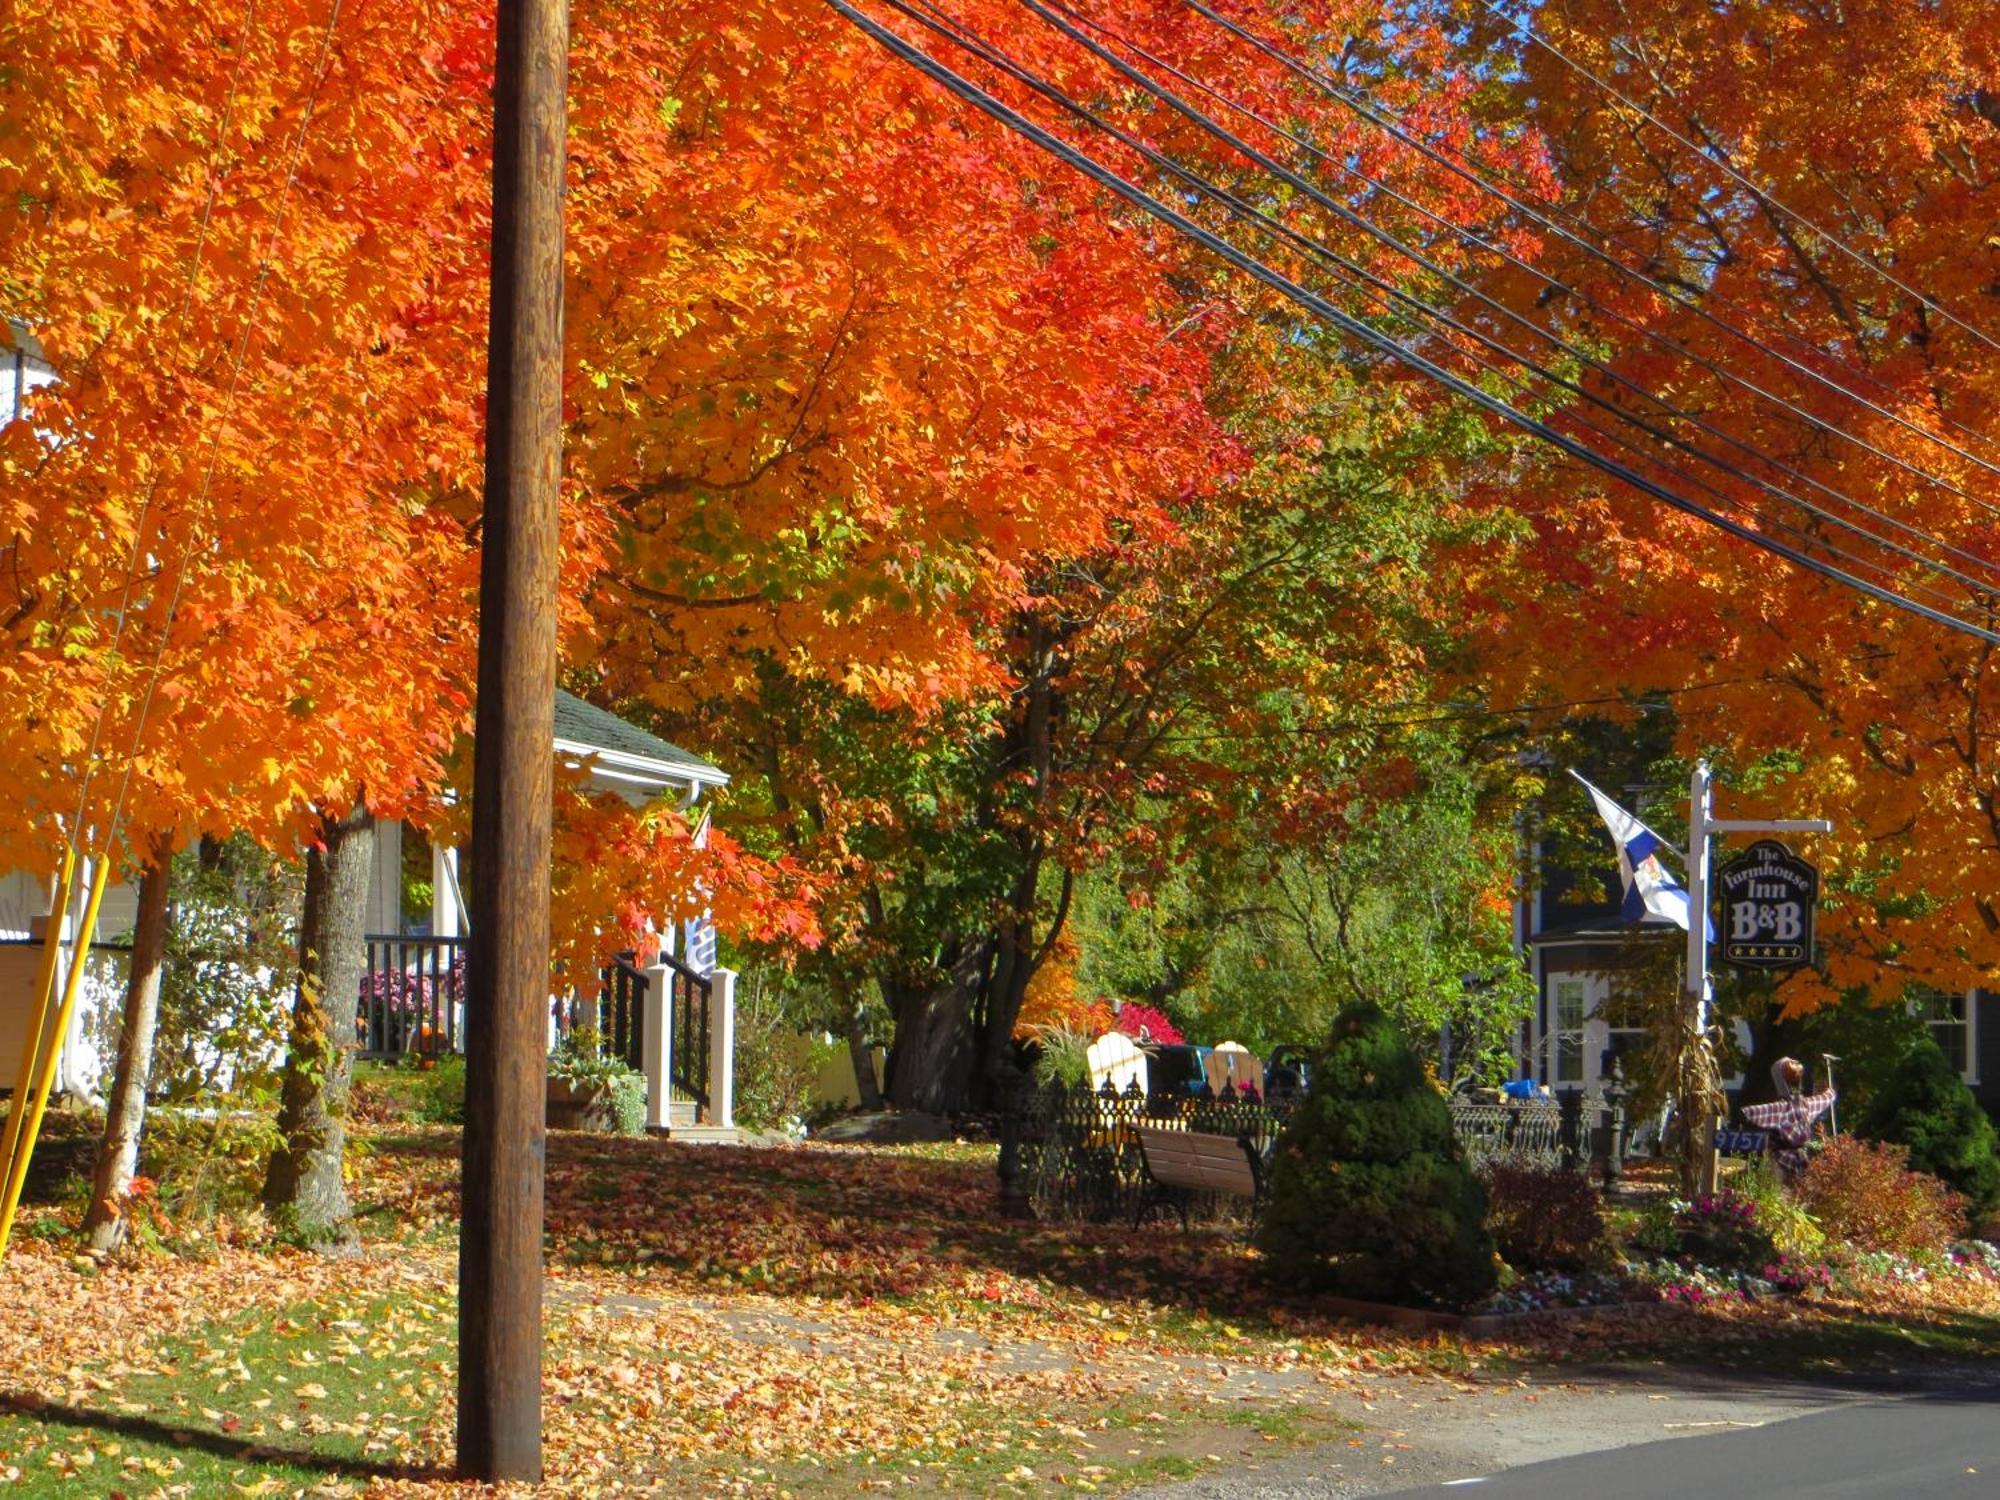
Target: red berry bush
(1542,1218)
(1865,1193)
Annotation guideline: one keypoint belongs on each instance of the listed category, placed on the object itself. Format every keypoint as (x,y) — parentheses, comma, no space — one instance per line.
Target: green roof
(583,723)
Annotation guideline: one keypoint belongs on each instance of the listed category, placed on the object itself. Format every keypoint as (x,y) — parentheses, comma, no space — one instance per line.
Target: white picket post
(657,1042)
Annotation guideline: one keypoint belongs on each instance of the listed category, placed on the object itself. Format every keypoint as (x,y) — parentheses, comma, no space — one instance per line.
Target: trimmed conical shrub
(1926,1106)
(1369,1196)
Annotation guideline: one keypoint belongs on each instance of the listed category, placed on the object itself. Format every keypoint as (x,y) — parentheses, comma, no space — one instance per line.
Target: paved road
(1933,1446)
(1636,1432)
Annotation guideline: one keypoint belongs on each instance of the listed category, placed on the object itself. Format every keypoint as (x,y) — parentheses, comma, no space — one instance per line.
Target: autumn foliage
(1875,126)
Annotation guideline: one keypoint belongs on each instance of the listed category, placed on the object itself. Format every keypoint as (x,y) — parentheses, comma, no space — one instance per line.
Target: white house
(1579,951)
(416,933)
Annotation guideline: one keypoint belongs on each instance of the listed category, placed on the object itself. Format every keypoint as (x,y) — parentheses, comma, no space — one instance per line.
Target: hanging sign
(1769,895)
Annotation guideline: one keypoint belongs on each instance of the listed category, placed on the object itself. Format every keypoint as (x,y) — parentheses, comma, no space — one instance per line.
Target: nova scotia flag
(1649,888)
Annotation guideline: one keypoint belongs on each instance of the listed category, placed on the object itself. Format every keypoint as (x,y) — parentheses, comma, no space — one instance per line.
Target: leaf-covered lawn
(804,1320)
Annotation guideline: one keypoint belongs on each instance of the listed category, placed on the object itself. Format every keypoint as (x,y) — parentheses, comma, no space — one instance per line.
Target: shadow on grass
(850,1224)
(218,1444)
(854,1225)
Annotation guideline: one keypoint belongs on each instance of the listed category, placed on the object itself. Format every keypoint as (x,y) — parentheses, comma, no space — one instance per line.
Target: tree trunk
(863,1057)
(1007,985)
(303,1186)
(125,1114)
(933,1061)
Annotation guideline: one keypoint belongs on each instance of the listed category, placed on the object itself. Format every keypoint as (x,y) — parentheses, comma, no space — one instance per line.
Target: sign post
(1702,823)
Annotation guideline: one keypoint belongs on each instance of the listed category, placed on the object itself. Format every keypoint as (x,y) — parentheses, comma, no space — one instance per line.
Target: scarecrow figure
(1791,1117)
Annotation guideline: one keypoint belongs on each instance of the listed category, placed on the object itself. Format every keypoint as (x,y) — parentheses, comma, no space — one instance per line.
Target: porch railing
(413,999)
(688,1003)
(412,996)
(621,1012)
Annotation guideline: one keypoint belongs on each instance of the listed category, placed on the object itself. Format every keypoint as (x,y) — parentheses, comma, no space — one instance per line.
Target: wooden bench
(1181,1163)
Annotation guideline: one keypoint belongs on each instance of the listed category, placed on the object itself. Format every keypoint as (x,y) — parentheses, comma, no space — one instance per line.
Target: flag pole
(1700,1116)
(1703,825)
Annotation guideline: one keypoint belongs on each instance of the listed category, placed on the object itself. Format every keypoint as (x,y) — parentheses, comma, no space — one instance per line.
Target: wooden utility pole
(507,968)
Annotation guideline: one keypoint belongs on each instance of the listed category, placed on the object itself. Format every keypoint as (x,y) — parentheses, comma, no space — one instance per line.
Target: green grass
(1110,1449)
(1290,1422)
(1863,1346)
(320,1396)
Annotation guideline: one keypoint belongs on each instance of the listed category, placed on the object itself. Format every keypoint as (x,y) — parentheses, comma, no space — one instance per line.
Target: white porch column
(445,918)
(722,1049)
(656,1037)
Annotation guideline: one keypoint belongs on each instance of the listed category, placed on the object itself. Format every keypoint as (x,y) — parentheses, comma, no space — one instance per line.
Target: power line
(1719,158)
(1470,236)
(979,98)
(966,40)
(1551,219)
(1368,226)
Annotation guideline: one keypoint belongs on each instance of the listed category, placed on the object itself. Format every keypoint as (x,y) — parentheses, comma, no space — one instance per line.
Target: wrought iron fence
(1070,1152)
(1073,1153)
(412,996)
(1521,1129)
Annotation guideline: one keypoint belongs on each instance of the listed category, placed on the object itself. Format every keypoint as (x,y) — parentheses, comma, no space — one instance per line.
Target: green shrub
(1781,1215)
(1866,1194)
(1369,1194)
(1926,1107)
(776,1071)
(198,1166)
(440,1092)
(1656,1233)
(1542,1218)
(628,1104)
(1722,1233)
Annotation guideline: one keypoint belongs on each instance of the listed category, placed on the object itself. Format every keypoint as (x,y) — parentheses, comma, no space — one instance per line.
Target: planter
(572,1108)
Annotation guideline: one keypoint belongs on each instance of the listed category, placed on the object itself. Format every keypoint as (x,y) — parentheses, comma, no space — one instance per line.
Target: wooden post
(507,968)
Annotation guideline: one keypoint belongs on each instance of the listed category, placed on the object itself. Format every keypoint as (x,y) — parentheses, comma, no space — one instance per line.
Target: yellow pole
(38,1013)
(17,1171)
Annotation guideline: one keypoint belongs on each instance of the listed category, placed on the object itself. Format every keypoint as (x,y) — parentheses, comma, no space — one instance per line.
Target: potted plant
(589,1090)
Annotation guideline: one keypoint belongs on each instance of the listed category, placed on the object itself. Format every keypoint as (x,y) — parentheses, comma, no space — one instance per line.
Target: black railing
(621,1012)
(1069,1152)
(688,1001)
(412,996)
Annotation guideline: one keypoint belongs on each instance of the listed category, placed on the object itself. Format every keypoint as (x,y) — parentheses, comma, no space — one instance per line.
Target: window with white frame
(1952,1021)
(1567,1010)
(22,367)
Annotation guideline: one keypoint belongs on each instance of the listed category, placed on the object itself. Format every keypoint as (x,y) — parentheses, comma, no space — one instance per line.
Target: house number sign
(1768,899)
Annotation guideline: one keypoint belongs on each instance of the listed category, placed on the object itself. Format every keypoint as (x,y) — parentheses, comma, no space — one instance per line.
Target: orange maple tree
(1874,127)
(249,246)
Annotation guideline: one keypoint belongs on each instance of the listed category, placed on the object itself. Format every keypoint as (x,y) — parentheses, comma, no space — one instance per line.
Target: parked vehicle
(1180,1069)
